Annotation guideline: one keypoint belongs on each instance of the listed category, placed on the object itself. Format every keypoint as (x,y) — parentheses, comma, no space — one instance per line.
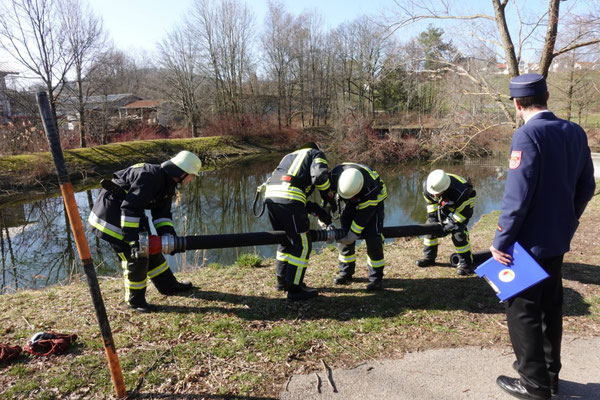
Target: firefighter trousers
(292,257)
(372,233)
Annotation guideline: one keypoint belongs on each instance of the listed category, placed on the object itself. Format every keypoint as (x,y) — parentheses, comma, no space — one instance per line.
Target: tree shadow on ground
(583,273)
(472,295)
(576,390)
(199,396)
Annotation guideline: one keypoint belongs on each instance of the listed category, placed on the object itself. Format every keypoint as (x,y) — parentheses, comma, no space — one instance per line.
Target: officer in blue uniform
(286,197)
(549,183)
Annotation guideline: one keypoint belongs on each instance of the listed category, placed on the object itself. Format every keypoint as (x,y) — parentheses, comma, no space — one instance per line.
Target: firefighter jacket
(296,177)
(119,218)
(367,200)
(457,200)
(549,182)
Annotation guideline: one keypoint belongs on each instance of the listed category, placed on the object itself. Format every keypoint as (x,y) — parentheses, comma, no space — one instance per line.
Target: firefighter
(119,216)
(288,189)
(363,193)
(450,199)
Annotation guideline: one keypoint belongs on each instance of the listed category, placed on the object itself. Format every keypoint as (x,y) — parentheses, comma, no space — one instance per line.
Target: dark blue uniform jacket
(549,182)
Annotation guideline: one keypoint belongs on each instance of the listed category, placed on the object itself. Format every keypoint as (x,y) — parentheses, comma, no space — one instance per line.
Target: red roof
(144,104)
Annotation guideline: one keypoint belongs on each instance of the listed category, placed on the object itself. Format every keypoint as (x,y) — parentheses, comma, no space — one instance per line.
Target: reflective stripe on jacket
(297,175)
(148,187)
(372,193)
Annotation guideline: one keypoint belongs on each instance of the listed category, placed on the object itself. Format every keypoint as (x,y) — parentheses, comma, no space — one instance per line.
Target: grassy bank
(236,335)
(24,175)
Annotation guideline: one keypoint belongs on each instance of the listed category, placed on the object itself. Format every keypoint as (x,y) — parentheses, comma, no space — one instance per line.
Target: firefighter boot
(136,300)
(375,279)
(280,271)
(297,291)
(162,277)
(465,264)
(345,275)
(429,256)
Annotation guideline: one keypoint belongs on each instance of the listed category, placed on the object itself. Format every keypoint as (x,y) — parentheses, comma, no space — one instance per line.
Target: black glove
(449,225)
(319,212)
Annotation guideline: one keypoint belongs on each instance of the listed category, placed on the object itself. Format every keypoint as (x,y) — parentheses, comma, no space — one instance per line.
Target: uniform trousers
(535,326)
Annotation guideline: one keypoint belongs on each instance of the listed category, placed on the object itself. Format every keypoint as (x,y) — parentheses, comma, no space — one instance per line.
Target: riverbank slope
(235,335)
(27,174)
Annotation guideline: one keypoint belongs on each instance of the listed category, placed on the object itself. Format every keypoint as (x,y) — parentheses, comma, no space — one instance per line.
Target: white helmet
(188,162)
(350,183)
(437,181)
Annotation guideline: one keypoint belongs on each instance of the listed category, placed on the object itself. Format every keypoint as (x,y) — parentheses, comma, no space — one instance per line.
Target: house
(106,105)
(4,103)
(147,110)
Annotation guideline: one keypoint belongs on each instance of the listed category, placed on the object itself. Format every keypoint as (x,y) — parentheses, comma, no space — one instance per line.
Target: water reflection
(38,249)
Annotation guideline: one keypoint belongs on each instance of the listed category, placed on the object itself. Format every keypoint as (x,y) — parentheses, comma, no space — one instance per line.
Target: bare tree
(223,30)
(277,41)
(496,32)
(179,57)
(86,41)
(33,34)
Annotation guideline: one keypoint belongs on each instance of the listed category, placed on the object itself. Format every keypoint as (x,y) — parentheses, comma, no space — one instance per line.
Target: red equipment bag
(8,352)
(47,343)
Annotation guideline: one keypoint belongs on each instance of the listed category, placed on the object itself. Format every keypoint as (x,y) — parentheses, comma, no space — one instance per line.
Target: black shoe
(179,287)
(514,387)
(375,285)
(553,380)
(425,262)
(342,279)
(299,295)
(464,270)
(142,307)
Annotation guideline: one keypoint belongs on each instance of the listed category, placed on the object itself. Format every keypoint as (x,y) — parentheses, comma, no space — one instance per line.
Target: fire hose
(169,244)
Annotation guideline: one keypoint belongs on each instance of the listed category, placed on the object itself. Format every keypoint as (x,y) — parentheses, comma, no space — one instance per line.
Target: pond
(38,248)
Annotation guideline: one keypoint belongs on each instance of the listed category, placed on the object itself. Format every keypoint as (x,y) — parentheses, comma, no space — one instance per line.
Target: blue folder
(508,281)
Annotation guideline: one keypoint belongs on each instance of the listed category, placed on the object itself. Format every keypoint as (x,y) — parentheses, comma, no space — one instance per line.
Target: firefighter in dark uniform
(118,217)
(288,189)
(363,193)
(548,185)
(450,199)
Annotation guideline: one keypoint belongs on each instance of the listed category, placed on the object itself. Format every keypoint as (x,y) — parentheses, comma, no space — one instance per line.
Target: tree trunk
(548,52)
(509,48)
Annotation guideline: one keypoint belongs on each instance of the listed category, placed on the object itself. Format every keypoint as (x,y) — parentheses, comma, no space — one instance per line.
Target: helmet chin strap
(180,179)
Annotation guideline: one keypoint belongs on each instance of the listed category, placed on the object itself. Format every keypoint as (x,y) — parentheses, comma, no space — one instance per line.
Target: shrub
(248,260)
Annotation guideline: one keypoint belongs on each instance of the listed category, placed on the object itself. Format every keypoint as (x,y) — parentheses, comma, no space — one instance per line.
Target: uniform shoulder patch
(515,159)
(499,228)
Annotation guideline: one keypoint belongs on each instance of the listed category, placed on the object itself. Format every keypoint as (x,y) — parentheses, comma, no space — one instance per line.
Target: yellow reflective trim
(460,179)
(305,245)
(300,156)
(356,228)
(160,224)
(158,270)
(320,160)
(347,259)
(375,263)
(135,285)
(94,222)
(463,249)
(285,191)
(324,186)
(431,242)
(432,208)
(281,256)
(130,224)
(298,275)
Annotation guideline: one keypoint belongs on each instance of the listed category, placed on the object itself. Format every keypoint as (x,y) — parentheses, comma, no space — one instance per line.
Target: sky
(137,25)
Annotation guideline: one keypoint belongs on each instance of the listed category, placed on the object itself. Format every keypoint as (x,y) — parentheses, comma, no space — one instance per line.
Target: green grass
(236,335)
